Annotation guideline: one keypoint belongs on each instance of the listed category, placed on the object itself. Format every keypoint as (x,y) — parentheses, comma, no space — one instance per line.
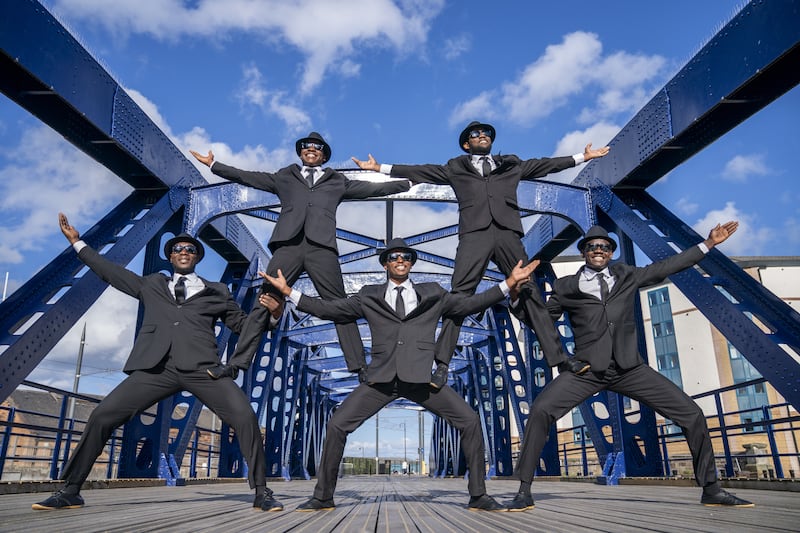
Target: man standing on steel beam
(304,238)
(489,228)
(402,318)
(174,347)
(599,300)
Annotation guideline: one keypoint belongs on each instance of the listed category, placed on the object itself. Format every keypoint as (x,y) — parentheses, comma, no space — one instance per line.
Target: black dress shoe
(362,375)
(269,503)
(59,500)
(576,366)
(439,376)
(521,502)
(315,504)
(223,371)
(484,503)
(724,499)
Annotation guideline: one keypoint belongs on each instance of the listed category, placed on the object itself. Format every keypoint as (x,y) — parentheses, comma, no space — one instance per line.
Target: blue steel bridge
(294,384)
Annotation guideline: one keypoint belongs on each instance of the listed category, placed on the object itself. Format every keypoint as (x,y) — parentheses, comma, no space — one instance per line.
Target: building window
(577,425)
(752,398)
(667,362)
(666,346)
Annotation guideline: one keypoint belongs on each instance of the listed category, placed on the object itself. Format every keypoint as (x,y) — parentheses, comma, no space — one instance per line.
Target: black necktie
(310,177)
(603,286)
(180,290)
(486,167)
(399,304)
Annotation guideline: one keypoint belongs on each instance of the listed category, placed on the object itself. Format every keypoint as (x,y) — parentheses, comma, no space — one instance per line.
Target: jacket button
(176,323)
(400,342)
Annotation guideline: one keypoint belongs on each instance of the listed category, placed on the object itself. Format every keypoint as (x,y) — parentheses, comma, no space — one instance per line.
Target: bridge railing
(760,442)
(35,445)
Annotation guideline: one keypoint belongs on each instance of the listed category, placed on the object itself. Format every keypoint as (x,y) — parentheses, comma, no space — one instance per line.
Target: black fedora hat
(597,232)
(314,137)
(474,125)
(397,245)
(184,237)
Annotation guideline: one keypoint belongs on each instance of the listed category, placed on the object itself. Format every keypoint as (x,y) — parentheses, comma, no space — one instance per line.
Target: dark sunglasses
(474,134)
(189,248)
(316,146)
(405,256)
(596,246)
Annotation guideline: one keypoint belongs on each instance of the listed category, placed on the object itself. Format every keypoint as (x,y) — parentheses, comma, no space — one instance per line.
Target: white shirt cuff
(703,247)
(79,245)
(578,159)
(295,296)
(386,169)
(504,287)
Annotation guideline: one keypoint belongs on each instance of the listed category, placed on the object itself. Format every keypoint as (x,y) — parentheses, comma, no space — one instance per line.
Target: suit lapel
(326,173)
(379,294)
(297,172)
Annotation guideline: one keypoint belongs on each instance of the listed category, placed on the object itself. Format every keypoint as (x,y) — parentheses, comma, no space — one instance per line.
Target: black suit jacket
(401,347)
(481,200)
(186,332)
(602,330)
(311,210)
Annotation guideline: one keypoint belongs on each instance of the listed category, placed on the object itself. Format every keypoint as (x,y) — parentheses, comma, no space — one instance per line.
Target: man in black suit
(599,300)
(175,346)
(304,238)
(489,227)
(402,318)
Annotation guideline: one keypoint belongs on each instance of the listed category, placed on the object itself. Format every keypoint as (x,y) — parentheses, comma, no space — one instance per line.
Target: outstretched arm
(589,154)
(369,164)
(205,159)
(69,232)
(720,233)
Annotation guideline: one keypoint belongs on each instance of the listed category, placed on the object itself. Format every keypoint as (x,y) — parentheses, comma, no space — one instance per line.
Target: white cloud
(349,27)
(575,142)
(480,106)
(57,182)
(749,239)
(253,92)
(108,343)
(456,46)
(742,167)
(686,207)
(197,139)
(565,70)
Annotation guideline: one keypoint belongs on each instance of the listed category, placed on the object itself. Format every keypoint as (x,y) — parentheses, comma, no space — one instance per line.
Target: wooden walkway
(404,504)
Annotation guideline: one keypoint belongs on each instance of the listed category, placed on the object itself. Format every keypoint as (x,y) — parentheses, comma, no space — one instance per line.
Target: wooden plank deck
(403,504)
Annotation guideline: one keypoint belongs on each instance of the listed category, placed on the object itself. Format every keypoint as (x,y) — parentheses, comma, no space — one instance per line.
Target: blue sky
(398,79)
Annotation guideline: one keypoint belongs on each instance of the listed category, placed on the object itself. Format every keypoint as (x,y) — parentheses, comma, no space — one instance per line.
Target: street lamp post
(405,457)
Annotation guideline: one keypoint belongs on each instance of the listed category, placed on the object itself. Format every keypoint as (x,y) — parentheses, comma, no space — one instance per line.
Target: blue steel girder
(500,443)
(210,202)
(747,65)
(637,214)
(517,379)
(62,293)
(45,70)
(475,384)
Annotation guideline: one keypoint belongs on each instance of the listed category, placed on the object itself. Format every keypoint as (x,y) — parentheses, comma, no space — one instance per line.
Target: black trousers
(504,247)
(322,264)
(142,389)
(641,383)
(366,400)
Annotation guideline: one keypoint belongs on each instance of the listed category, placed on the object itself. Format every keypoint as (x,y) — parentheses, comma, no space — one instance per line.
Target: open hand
(369,164)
